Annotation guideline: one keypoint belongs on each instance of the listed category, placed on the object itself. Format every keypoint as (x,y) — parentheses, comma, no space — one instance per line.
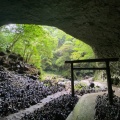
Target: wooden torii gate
(107,68)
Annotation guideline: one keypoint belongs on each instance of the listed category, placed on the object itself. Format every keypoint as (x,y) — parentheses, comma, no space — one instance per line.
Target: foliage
(63,53)
(80,86)
(116,81)
(71,49)
(30,41)
(81,51)
(45,47)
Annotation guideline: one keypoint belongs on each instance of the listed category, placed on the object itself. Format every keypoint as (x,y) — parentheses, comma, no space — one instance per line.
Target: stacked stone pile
(57,109)
(105,111)
(19,92)
(14,62)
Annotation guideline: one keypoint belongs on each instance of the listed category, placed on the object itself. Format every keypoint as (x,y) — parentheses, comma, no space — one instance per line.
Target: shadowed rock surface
(95,22)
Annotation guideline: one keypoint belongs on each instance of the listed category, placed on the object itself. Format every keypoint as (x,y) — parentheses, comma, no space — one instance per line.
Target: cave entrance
(107,68)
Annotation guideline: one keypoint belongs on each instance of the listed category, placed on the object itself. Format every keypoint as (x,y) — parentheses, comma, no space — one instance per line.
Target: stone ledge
(84,109)
(21,113)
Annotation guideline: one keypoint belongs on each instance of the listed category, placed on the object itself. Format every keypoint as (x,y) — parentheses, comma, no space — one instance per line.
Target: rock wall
(96,22)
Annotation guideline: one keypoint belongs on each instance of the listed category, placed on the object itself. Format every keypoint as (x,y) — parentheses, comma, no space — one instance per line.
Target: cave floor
(85,108)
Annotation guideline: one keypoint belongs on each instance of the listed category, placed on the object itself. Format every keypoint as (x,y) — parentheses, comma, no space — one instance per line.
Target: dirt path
(101,85)
(97,83)
(85,108)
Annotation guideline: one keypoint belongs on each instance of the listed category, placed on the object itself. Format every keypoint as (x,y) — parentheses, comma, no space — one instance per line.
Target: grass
(51,75)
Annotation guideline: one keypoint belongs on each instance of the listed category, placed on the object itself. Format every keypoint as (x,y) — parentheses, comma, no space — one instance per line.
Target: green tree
(45,47)
(81,51)
(30,41)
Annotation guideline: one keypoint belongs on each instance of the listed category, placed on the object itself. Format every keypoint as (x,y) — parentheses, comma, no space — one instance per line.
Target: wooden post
(109,82)
(72,80)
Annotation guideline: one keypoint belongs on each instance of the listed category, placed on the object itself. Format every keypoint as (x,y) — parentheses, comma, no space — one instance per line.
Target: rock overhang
(95,22)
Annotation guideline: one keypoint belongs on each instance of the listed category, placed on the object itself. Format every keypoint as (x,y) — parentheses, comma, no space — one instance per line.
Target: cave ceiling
(96,22)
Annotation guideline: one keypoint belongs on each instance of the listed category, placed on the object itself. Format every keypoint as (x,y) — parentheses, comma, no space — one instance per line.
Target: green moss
(80,86)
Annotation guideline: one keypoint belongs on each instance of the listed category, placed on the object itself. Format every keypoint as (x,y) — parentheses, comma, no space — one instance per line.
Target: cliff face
(96,22)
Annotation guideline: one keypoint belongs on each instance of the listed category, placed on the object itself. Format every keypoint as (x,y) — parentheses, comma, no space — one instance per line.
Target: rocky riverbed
(22,94)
